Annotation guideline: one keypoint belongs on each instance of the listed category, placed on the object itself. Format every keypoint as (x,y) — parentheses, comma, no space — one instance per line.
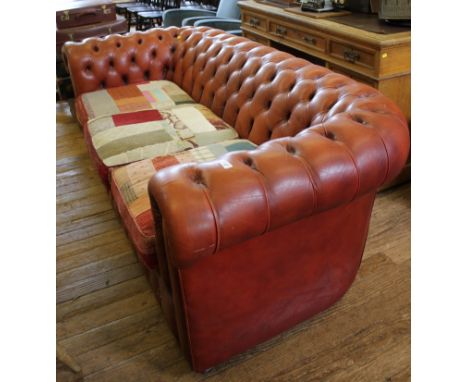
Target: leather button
(290,149)
(360,120)
(198,178)
(330,135)
(248,161)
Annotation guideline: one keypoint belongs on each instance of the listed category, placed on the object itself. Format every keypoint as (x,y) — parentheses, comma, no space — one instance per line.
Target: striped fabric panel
(130,98)
(125,138)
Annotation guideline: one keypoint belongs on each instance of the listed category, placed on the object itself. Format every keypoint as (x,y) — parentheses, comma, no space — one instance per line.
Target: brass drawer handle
(281,31)
(351,55)
(65,16)
(309,40)
(254,22)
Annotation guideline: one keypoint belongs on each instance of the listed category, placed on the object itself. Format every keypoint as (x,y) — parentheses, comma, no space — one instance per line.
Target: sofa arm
(229,25)
(207,207)
(175,17)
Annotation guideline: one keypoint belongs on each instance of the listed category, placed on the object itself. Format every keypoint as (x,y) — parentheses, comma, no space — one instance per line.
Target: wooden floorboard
(109,321)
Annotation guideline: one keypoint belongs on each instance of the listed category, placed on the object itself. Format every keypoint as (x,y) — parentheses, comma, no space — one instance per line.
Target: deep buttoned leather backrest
(117,60)
(262,92)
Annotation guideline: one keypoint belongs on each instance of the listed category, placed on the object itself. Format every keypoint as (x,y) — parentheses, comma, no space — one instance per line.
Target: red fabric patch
(144,245)
(145,222)
(136,117)
(165,161)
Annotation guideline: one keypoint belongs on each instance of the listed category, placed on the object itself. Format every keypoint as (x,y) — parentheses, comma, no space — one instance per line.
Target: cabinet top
(326,25)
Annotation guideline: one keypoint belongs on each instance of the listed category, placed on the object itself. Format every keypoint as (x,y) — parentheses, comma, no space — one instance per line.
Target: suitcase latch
(65,16)
(105,10)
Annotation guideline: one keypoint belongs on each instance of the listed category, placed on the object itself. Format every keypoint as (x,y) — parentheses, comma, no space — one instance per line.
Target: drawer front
(254,21)
(352,54)
(307,39)
(279,30)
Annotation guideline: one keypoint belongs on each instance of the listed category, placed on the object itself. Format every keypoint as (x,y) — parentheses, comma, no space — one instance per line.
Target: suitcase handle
(86,14)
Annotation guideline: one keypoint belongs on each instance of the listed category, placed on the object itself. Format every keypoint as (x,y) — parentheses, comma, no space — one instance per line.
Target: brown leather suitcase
(119,25)
(84,12)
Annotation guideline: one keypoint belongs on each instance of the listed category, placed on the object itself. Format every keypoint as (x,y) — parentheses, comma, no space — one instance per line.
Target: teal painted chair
(226,18)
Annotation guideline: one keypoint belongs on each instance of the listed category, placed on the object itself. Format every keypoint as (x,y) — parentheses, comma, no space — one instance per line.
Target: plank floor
(109,321)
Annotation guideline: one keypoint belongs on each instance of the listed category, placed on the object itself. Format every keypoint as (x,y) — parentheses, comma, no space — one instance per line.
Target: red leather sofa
(254,242)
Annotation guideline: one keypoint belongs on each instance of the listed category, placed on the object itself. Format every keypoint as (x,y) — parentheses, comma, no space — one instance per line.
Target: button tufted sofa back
(117,60)
(262,92)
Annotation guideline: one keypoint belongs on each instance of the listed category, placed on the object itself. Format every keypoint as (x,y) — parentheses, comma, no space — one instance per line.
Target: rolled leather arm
(210,206)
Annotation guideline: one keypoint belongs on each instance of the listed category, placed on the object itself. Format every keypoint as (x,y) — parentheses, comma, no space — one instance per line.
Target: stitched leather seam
(386,154)
(216,220)
(309,173)
(350,154)
(348,151)
(261,176)
(186,319)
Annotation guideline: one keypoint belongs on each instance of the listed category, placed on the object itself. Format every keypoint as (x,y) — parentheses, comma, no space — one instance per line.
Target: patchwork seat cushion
(129,123)
(125,138)
(129,190)
(130,98)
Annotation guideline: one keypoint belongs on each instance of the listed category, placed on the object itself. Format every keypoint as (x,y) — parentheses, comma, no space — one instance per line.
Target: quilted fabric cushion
(129,137)
(130,98)
(129,190)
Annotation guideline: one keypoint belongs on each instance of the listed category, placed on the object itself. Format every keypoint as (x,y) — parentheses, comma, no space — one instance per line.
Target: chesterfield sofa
(245,177)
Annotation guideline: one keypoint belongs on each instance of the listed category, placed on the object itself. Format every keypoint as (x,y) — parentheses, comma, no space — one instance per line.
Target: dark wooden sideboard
(380,60)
